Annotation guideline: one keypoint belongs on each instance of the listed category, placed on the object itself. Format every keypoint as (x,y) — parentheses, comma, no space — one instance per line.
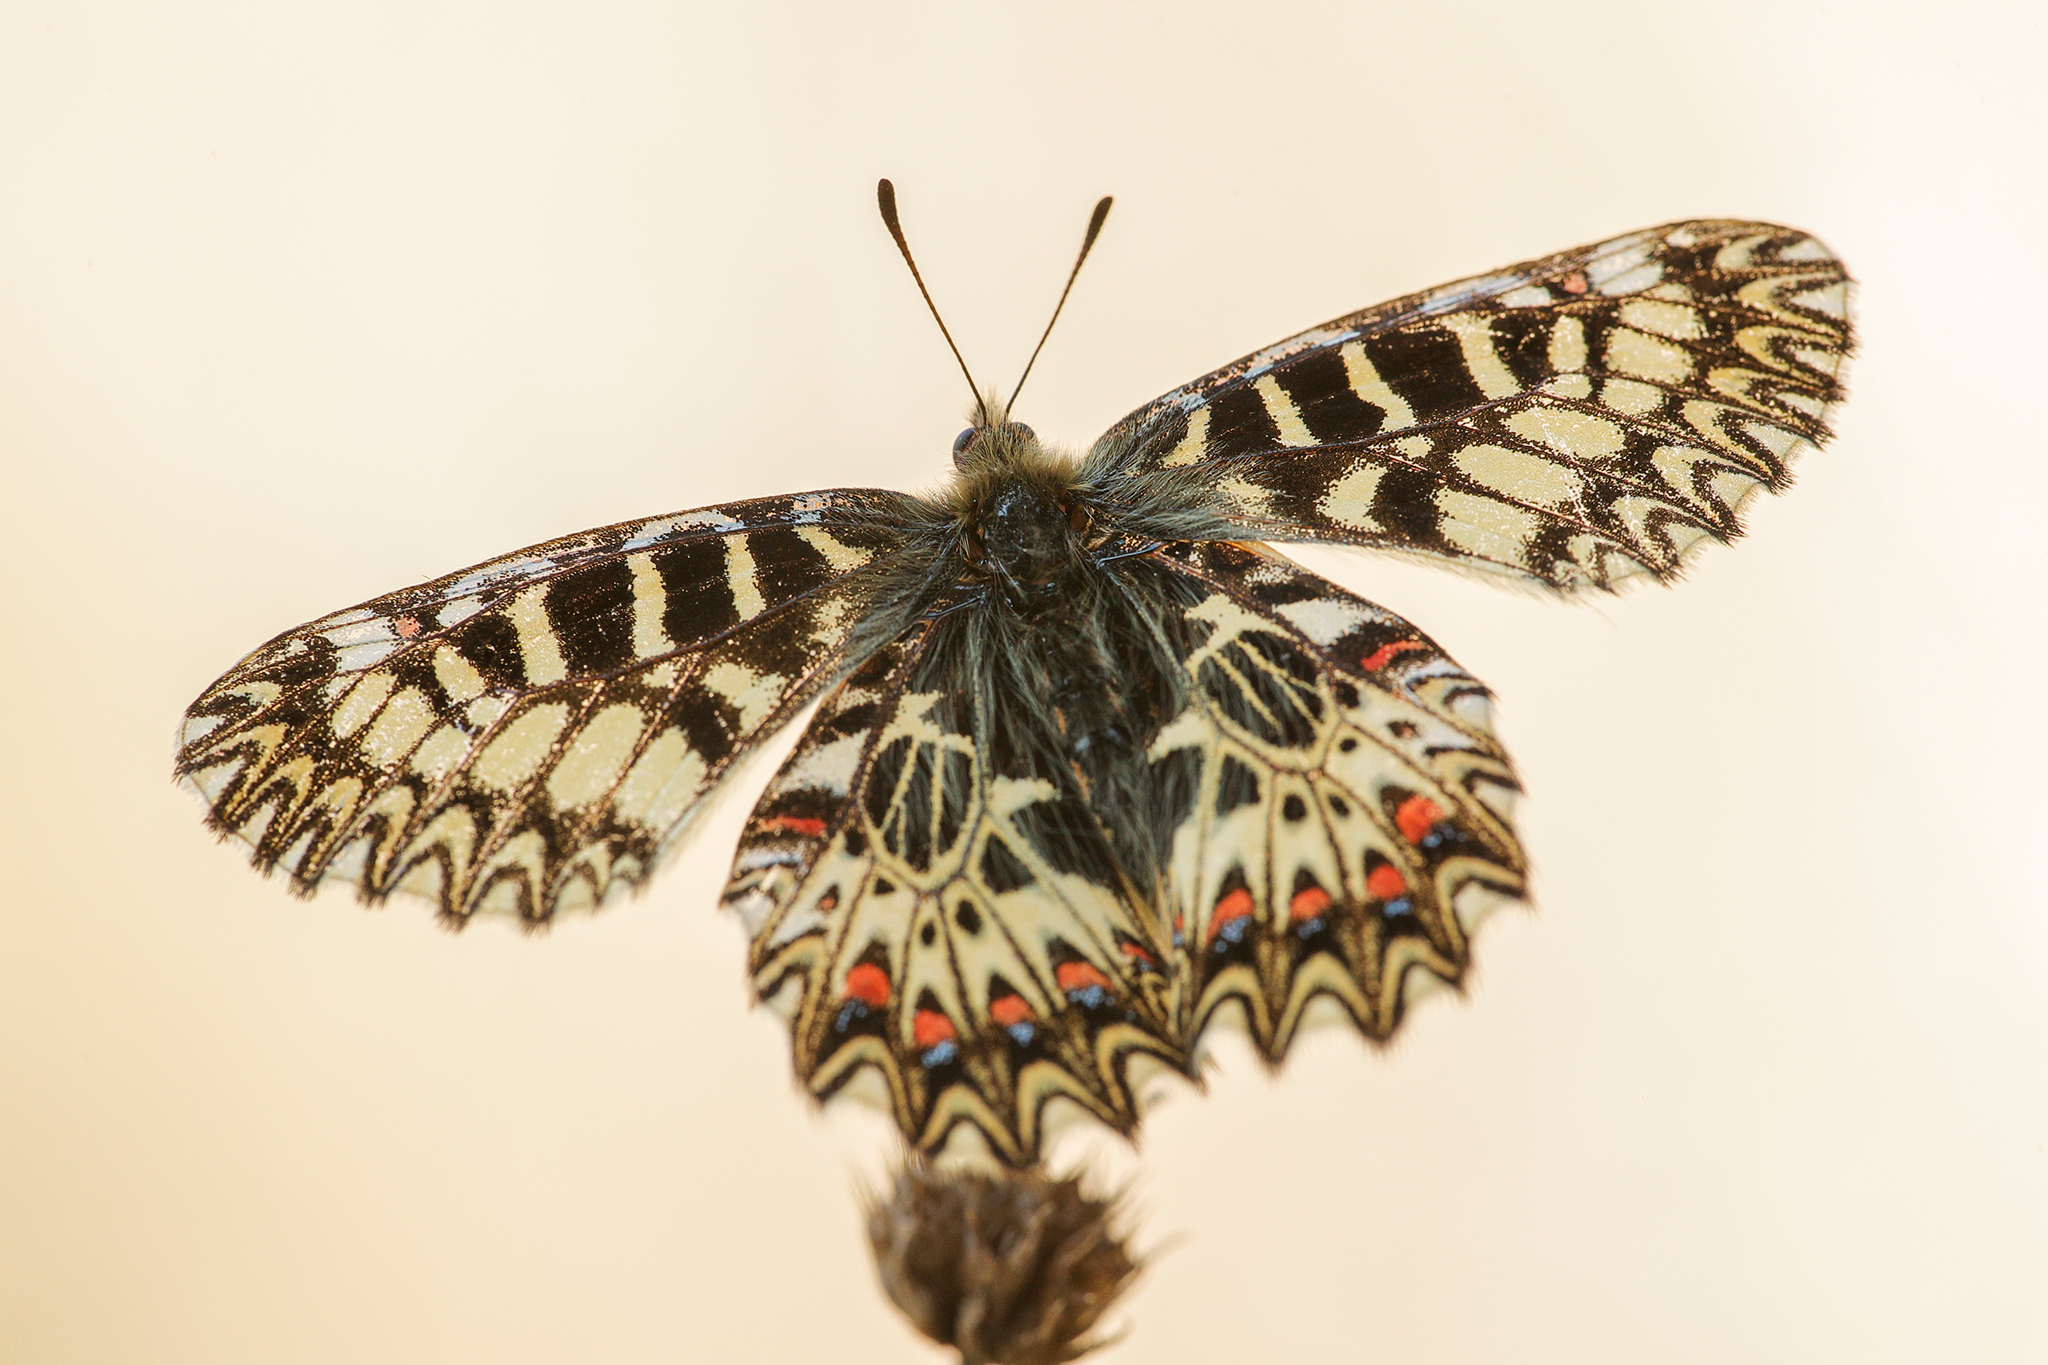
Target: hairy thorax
(1025,529)
(1034,543)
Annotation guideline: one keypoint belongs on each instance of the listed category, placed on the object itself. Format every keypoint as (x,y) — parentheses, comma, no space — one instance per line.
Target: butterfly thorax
(1074,672)
(1024,530)
(1025,545)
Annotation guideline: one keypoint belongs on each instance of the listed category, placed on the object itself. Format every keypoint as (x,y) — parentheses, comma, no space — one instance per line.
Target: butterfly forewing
(933,905)
(1574,422)
(527,734)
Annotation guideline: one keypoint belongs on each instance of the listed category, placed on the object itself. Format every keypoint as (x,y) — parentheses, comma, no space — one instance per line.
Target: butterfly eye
(964,440)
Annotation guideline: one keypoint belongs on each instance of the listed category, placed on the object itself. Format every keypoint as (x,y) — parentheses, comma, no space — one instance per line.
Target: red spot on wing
(1308,903)
(868,984)
(1416,817)
(795,824)
(1079,976)
(1379,658)
(1131,949)
(1574,283)
(406,626)
(929,1028)
(1236,905)
(1011,1009)
(1386,883)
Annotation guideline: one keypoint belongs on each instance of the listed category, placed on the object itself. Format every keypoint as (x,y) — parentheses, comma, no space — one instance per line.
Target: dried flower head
(1010,1268)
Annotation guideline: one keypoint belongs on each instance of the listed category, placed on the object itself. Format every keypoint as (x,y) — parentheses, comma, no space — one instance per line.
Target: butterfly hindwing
(933,907)
(527,734)
(1347,821)
(1572,422)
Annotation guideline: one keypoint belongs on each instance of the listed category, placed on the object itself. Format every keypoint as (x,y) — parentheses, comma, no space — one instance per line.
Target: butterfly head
(996,441)
(1024,527)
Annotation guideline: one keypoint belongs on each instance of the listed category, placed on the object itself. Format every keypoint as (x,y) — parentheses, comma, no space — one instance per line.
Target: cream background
(302,303)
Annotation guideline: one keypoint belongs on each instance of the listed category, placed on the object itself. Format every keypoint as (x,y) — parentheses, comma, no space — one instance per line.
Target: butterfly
(1092,766)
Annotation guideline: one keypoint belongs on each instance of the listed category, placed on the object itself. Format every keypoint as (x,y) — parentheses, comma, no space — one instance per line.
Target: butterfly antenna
(1094,231)
(885,194)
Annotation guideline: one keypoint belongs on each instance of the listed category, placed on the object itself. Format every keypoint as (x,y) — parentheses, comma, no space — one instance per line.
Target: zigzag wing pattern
(933,907)
(1348,808)
(527,735)
(1573,422)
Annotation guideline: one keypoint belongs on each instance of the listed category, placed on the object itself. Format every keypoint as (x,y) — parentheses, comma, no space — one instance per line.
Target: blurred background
(303,303)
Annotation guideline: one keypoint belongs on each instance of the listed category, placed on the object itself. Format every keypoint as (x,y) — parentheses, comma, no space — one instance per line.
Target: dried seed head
(1009,1269)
